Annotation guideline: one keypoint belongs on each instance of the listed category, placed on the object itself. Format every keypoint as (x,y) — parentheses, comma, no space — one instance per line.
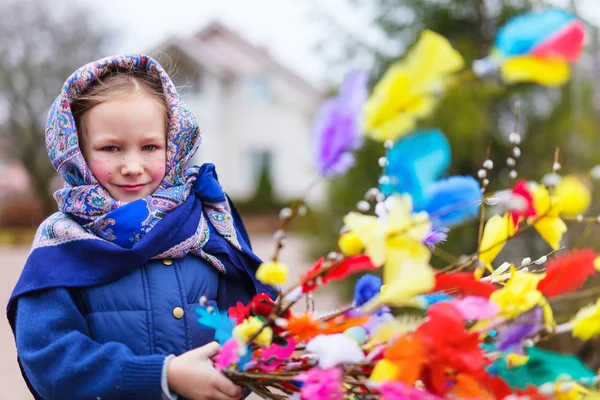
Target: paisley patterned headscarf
(87,212)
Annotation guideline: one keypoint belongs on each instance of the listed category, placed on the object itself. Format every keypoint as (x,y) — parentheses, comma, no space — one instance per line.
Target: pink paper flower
(475,308)
(401,391)
(273,355)
(322,384)
(228,354)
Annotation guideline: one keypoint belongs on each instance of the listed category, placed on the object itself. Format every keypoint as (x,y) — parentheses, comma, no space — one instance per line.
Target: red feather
(568,273)
(465,283)
(350,266)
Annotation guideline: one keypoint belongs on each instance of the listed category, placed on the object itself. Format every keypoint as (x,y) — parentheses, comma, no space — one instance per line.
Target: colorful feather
(415,162)
(219,321)
(567,273)
(452,201)
(465,283)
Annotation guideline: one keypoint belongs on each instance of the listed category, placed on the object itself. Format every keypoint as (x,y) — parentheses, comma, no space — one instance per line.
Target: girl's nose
(132,166)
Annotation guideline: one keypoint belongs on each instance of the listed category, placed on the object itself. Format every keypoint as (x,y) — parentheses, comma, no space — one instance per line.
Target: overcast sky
(287,28)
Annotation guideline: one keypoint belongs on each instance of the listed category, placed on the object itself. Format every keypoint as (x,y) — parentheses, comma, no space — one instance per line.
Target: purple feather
(436,236)
(337,127)
(524,326)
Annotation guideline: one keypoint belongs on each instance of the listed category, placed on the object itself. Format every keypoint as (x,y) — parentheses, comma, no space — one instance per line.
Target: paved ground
(12,386)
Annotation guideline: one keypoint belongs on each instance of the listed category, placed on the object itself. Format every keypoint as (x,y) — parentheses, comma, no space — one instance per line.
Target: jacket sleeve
(61,361)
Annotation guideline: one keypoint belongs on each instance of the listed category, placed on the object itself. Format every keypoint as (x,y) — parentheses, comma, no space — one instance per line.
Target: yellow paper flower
(571,391)
(350,244)
(520,295)
(410,281)
(407,90)
(514,360)
(586,323)
(384,371)
(393,328)
(244,331)
(396,240)
(498,229)
(547,223)
(398,228)
(547,72)
(272,273)
(574,196)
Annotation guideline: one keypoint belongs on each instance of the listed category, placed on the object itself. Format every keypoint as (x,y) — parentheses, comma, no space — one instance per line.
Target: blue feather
(415,162)
(427,300)
(219,321)
(367,287)
(452,201)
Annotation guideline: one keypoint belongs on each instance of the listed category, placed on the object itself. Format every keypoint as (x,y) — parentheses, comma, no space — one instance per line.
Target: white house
(250,109)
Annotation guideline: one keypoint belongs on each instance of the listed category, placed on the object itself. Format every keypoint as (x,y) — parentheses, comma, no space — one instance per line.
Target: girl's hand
(193,376)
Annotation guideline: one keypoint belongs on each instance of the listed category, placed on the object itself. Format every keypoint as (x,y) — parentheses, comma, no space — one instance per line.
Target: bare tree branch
(41,43)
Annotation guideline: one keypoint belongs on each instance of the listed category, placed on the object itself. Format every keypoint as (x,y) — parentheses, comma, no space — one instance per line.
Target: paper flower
(548,223)
(219,321)
(573,195)
(474,308)
(244,331)
(333,350)
(228,354)
(536,47)
(520,294)
(319,384)
(408,354)
(498,229)
(272,357)
(407,90)
(523,207)
(397,229)
(586,324)
(367,287)
(450,346)
(337,127)
(239,312)
(389,327)
(272,273)
(399,390)
(303,327)
(395,238)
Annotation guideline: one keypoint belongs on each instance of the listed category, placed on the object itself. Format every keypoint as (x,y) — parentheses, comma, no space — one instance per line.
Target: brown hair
(117,83)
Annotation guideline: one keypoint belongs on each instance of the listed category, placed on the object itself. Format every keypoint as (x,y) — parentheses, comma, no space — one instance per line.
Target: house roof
(196,48)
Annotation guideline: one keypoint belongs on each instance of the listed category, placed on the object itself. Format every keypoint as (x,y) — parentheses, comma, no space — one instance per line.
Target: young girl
(104,308)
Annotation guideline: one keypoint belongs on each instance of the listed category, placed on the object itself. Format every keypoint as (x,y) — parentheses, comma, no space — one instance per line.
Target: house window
(256,88)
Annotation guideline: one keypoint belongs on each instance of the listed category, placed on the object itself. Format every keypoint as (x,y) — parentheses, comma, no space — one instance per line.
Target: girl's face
(125,145)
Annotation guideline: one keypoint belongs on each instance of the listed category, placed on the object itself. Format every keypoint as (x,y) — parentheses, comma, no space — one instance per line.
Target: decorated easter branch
(468,330)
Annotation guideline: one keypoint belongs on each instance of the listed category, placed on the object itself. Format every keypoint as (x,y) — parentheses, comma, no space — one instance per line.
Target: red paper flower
(239,312)
(527,210)
(450,346)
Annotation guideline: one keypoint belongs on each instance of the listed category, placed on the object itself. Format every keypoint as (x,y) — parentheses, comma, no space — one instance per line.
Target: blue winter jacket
(109,342)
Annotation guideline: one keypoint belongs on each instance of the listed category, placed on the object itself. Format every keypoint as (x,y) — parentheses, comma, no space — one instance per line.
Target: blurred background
(253,73)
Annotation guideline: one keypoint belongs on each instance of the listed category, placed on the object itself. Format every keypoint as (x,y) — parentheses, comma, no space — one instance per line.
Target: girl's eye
(110,149)
(149,147)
